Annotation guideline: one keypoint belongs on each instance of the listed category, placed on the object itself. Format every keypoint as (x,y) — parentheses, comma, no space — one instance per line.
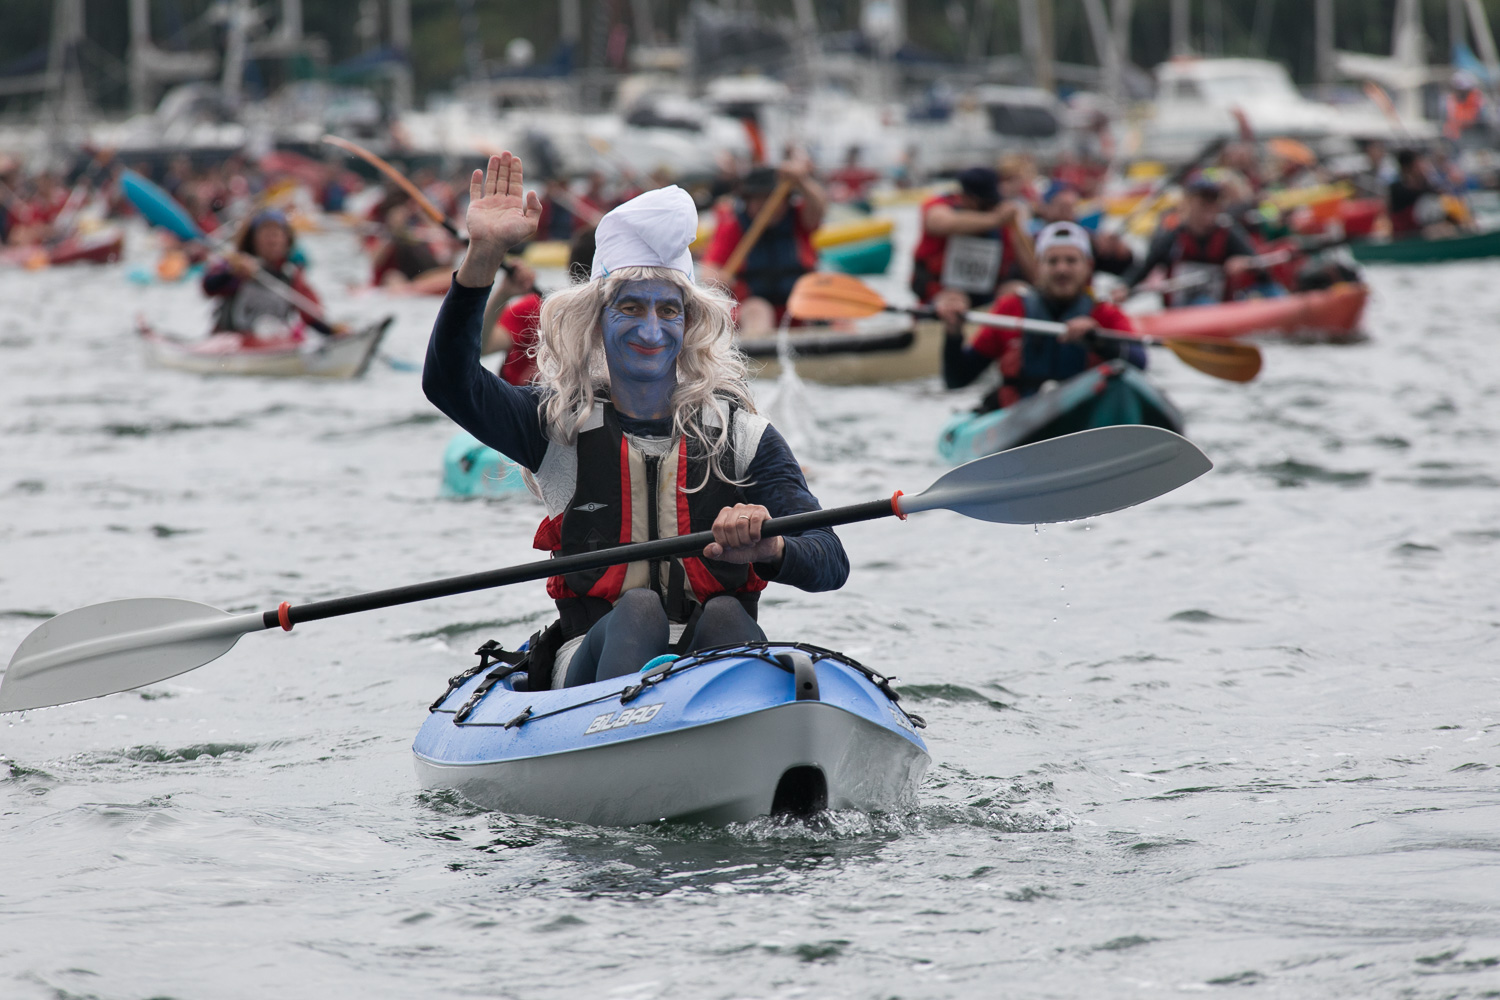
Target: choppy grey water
(1243,736)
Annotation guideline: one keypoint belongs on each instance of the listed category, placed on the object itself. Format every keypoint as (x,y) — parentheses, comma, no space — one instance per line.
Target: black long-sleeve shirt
(508,419)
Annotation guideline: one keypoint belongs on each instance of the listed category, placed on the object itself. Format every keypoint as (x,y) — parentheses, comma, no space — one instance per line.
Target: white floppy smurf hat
(653,229)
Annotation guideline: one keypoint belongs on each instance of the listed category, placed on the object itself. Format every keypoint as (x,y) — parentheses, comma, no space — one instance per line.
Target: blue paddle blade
(157,207)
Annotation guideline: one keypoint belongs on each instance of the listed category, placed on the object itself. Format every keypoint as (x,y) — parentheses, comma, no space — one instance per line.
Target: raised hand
(500,216)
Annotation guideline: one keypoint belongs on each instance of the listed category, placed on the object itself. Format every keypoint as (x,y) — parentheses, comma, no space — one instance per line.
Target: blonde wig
(572,371)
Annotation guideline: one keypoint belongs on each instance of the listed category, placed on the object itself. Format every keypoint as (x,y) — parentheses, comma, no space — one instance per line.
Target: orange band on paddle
(895,507)
(283,615)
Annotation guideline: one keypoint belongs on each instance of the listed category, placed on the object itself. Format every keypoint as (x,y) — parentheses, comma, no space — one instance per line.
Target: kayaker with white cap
(639,425)
(1065,267)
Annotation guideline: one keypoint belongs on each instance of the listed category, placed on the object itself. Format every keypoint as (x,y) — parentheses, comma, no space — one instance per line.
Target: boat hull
(103,247)
(887,348)
(1420,251)
(1108,395)
(1332,313)
(347,356)
(719,741)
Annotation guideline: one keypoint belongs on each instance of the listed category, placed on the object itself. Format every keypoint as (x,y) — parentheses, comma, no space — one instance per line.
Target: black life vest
(1046,358)
(624,495)
(774,264)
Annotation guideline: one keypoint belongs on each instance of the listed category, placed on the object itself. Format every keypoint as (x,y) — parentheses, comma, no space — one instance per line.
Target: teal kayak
(861,257)
(1415,250)
(474,469)
(1106,395)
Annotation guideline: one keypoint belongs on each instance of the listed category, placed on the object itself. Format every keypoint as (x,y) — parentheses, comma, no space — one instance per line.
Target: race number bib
(972,264)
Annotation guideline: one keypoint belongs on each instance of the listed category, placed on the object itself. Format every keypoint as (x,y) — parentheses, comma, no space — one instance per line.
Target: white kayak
(297,353)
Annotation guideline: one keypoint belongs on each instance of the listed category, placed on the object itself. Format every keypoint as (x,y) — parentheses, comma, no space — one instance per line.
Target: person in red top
(1065,266)
(1463,107)
(784,251)
(852,182)
(34,212)
(520,308)
(967,250)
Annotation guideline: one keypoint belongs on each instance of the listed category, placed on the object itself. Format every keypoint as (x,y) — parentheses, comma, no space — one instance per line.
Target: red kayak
(103,247)
(1331,313)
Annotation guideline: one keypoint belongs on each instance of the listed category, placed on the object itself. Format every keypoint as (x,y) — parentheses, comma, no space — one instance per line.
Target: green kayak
(861,257)
(1106,395)
(1420,251)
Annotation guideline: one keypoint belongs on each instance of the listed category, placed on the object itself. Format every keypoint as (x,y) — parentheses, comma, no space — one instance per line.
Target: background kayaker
(638,425)
(1112,255)
(1464,112)
(1414,202)
(1065,267)
(520,310)
(967,252)
(784,251)
(266,242)
(407,255)
(1206,244)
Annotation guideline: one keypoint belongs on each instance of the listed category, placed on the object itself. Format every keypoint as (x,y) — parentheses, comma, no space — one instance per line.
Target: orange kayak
(1332,313)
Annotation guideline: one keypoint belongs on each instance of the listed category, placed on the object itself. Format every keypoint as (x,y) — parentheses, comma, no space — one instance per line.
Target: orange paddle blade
(825,296)
(395,176)
(1293,151)
(1225,359)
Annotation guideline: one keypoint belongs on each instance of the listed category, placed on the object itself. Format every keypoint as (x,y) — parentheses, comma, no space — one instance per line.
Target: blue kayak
(717,736)
(1104,396)
(474,469)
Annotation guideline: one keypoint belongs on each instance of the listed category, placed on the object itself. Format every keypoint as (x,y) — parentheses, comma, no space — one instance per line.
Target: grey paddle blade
(116,646)
(1067,478)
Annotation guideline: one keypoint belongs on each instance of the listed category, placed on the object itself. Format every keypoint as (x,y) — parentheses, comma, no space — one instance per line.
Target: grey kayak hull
(727,771)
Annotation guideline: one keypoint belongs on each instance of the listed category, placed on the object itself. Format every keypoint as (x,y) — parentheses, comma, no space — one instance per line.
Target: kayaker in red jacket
(1463,108)
(520,308)
(967,251)
(1065,266)
(784,251)
(265,244)
(1206,244)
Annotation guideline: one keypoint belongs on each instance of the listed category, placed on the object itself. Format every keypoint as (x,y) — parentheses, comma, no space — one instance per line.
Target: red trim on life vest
(684,516)
(548,535)
(896,507)
(283,615)
(608,586)
(704,583)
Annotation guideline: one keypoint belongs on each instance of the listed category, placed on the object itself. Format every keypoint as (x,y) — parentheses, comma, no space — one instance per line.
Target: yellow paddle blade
(825,296)
(1225,359)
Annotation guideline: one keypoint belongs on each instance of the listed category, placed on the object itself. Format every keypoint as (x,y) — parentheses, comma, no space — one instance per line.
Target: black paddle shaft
(661,548)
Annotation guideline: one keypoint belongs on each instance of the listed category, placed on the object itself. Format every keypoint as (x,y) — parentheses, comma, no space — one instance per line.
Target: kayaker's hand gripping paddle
(111,647)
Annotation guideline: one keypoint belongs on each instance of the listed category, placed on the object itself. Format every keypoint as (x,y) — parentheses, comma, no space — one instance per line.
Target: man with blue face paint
(639,425)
